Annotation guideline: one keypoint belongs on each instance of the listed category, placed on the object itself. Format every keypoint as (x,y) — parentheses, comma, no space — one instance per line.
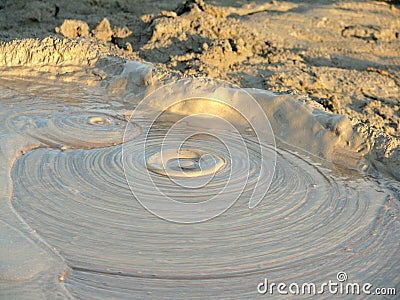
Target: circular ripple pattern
(311,225)
(208,107)
(224,179)
(185,162)
(76,129)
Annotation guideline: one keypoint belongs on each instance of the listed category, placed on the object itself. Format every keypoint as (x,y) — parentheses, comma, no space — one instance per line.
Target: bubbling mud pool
(73,229)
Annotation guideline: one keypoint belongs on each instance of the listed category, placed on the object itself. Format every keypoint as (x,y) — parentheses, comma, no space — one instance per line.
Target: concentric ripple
(312,224)
(75,129)
(75,208)
(185,162)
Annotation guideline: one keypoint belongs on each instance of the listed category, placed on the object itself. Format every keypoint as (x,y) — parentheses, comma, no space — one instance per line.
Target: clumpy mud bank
(328,82)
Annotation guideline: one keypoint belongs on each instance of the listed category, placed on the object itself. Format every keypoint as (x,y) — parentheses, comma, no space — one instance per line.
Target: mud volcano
(75,172)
